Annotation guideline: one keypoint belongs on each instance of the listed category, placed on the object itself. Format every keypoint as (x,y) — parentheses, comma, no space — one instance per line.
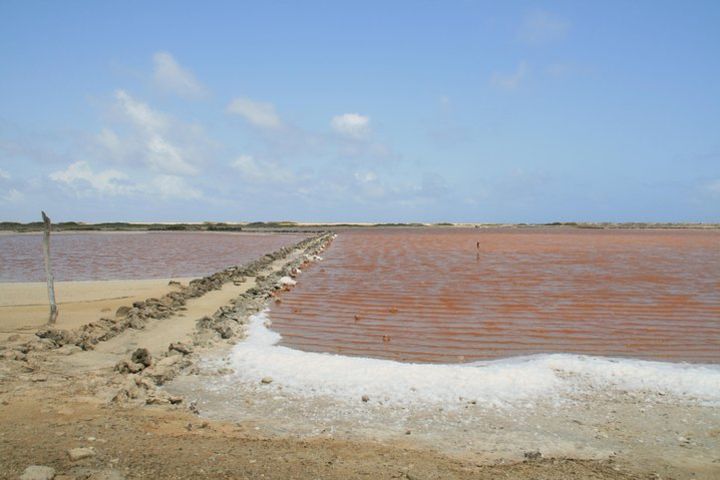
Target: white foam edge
(497,383)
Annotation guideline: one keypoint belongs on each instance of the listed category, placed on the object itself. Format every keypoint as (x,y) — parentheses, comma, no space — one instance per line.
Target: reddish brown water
(105,256)
(435,298)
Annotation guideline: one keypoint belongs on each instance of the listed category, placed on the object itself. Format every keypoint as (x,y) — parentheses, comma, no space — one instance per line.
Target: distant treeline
(295,226)
(129,227)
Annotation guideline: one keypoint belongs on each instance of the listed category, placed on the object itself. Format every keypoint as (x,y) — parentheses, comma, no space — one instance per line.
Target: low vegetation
(297,226)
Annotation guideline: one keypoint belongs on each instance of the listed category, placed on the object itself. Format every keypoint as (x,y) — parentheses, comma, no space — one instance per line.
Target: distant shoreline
(288,226)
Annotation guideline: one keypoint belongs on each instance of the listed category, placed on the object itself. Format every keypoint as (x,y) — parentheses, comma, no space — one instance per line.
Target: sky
(457,111)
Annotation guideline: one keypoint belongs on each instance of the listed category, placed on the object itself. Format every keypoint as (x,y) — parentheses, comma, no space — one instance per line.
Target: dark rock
(224,331)
(141,355)
(126,366)
(534,455)
(59,337)
(136,323)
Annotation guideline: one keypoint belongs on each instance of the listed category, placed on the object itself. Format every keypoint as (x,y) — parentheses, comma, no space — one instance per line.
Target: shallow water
(433,296)
(120,256)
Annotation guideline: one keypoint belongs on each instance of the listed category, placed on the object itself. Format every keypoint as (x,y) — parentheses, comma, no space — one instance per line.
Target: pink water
(110,256)
(431,295)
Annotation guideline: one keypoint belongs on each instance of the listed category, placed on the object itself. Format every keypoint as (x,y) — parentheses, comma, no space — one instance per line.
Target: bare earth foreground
(77,387)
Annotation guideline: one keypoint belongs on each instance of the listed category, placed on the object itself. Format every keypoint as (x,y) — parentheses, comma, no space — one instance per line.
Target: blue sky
(360,111)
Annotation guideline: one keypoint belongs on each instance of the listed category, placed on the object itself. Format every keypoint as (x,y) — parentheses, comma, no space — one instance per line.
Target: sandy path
(160,333)
(24,308)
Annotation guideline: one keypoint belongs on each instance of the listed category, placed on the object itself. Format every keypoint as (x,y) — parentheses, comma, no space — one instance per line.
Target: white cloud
(110,140)
(253,170)
(13,196)
(4,175)
(155,148)
(80,177)
(369,186)
(172,186)
(259,114)
(540,27)
(510,81)
(140,113)
(166,157)
(170,76)
(351,124)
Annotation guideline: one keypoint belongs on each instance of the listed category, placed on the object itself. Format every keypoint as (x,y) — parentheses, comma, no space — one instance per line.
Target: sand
(24,305)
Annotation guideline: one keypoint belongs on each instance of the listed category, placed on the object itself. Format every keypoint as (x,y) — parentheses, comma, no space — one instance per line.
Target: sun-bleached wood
(48,270)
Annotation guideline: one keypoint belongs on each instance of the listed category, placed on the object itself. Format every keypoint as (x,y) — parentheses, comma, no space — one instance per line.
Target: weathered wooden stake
(48,270)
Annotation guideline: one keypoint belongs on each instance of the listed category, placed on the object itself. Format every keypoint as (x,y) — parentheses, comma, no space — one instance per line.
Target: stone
(266,380)
(38,472)
(535,455)
(181,347)
(169,361)
(108,474)
(69,349)
(365,398)
(141,355)
(165,369)
(80,453)
(123,311)
(58,337)
(224,331)
(137,323)
(160,375)
(126,366)
(157,398)
(13,355)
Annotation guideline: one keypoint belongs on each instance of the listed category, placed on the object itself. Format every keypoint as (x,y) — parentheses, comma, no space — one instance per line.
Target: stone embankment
(139,313)
(137,376)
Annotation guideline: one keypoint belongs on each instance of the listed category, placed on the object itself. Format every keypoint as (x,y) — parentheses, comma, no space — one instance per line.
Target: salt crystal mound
(286,281)
(498,383)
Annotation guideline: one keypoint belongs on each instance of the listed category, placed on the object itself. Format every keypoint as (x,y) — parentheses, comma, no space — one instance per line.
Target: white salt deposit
(286,281)
(499,383)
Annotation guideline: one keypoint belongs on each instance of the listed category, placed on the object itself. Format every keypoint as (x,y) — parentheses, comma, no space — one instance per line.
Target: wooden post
(48,270)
